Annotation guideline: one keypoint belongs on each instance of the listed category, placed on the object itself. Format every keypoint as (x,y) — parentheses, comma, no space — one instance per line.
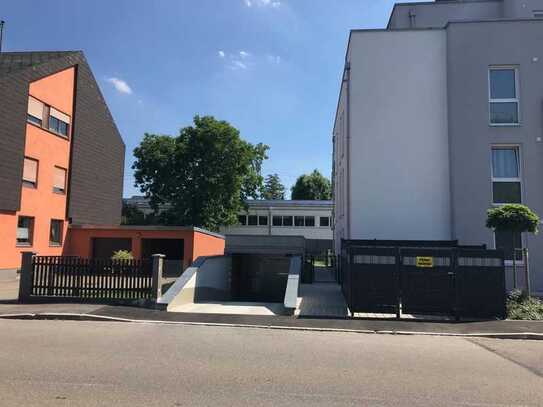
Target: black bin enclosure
(465,281)
(259,278)
(104,247)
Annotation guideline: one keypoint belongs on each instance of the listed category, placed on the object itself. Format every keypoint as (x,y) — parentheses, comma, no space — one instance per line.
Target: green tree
(273,188)
(205,173)
(132,216)
(313,187)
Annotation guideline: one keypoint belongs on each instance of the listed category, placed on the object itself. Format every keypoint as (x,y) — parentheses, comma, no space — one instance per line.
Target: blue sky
(269,67)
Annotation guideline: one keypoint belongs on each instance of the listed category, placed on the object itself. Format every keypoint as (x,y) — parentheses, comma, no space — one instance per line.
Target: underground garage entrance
(259,278)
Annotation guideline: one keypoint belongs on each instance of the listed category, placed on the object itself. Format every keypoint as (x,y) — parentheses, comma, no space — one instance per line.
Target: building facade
(61,155)
(440,118)
(311,219)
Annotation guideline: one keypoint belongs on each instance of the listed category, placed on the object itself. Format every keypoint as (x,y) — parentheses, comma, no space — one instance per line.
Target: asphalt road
(63,363)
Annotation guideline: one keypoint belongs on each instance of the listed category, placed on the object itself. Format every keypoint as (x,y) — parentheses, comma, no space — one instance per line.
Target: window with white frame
(503,95)
(30,172)
(35,111)
(506,177)
(59,180)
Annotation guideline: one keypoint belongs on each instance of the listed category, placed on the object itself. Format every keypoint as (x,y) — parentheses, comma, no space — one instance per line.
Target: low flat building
(310,219)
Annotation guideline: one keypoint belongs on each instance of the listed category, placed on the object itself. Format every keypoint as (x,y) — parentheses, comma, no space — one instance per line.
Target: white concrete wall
(399,154)
(208,279)
(341,147)
(521,8)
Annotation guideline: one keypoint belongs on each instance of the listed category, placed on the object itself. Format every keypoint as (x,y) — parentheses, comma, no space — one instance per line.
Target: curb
(93,317)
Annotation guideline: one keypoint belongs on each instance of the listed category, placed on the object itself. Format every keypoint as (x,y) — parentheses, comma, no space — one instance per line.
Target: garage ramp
(244,284)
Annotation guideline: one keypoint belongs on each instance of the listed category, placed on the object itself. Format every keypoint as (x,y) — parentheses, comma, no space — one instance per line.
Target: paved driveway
(63,363)
(9,285)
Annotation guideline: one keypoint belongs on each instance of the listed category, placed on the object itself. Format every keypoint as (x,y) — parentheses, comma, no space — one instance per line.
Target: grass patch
(520,306)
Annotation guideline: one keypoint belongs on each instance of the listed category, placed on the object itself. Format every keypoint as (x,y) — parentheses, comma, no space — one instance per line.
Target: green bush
(520,306)
(122,255)
(513,217)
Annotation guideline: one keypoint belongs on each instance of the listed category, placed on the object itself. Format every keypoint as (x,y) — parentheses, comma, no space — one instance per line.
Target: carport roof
(148,227)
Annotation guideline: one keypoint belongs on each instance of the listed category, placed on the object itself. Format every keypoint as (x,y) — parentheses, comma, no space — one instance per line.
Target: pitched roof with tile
(11,62)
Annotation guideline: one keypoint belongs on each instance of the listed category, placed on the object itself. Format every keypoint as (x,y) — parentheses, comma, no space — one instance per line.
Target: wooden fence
(87,280)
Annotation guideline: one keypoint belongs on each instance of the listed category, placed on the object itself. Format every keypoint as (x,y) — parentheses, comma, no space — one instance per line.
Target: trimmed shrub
(513,217)
(122,255)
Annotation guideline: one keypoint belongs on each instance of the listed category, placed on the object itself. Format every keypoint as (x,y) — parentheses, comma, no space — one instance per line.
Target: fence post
(527,271)
(25,281)
(158,266)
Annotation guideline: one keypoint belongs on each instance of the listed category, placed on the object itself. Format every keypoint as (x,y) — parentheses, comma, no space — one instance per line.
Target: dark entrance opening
(259,278)
(173,249)
(104,247)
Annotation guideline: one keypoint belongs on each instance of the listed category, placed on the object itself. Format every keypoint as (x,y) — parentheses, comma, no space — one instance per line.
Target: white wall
(521,8)
(341,146)
(399,147)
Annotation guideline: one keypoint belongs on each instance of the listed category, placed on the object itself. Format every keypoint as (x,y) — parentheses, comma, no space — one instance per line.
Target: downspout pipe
(348,91)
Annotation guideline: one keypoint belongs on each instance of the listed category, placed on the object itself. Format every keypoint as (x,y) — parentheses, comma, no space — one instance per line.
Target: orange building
(62,165)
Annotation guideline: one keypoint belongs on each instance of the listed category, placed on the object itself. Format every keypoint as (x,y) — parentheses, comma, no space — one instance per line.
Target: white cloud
(237,64)
(262,3)
(120,85)
(274,59)
(239,60)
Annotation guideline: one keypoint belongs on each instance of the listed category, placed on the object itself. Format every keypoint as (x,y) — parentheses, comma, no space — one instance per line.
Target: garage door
(104,247)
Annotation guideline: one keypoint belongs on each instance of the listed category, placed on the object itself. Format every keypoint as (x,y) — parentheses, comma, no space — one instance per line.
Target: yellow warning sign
(425,262)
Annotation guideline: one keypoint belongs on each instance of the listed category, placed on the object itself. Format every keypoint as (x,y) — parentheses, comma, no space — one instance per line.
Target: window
(287,220)
(242,219)
(59,180)
(309,221)
(503,96)
(35,111)
(277,221)
(504,241)
(58,122)
(30,172)
(263,220)
(298,221)
(253,220)
(324,221)
(506,187)
(55,232)
(25,230)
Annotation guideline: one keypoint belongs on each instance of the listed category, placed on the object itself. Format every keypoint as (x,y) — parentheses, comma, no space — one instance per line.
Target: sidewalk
(494,329)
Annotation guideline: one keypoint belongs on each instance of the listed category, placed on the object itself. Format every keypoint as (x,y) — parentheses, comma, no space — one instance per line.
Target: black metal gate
(373,283)
(460,281)
(427,280)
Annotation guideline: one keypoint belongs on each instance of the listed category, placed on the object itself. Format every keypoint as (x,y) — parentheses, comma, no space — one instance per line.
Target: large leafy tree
(273,188)
(205,173)
(314,187)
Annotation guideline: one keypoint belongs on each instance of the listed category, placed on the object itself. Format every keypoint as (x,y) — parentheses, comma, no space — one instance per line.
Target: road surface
(68,363)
